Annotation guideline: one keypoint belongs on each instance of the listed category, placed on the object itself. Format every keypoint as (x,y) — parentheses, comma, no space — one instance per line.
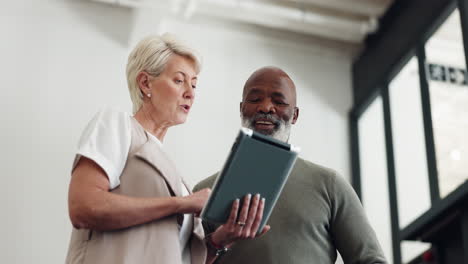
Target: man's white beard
(282,133)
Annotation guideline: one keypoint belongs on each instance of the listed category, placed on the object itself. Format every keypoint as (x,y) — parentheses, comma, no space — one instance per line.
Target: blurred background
(381,84)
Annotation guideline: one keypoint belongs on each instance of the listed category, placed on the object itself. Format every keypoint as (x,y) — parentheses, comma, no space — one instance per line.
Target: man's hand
(242,225)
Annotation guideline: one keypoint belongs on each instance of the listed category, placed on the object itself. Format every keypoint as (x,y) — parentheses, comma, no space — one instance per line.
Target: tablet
(256,164)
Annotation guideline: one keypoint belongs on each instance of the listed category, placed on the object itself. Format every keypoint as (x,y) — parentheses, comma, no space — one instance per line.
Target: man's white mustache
(281,131)
(265,117)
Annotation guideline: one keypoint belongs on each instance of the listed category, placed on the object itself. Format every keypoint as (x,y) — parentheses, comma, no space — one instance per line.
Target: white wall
(61,61)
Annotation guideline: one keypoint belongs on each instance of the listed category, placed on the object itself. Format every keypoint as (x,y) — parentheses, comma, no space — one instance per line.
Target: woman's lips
(185,108)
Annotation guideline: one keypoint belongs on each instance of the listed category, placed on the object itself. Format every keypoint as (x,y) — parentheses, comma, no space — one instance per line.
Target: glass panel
(374,181)
(446,68)
(412,249)
(410,152)
(409,144)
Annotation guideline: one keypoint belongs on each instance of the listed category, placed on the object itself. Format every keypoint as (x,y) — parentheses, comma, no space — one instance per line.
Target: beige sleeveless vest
(147,173)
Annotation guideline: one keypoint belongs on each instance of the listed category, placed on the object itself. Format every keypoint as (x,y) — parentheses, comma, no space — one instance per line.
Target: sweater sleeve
(353,235)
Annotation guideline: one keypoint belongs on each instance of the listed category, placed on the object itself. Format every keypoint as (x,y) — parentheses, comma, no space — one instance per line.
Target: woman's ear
(143,80)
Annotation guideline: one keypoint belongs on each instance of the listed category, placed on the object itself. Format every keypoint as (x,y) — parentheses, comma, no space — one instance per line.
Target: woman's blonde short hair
(151,55)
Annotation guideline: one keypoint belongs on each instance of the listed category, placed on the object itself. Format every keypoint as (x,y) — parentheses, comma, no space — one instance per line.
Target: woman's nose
(189,92)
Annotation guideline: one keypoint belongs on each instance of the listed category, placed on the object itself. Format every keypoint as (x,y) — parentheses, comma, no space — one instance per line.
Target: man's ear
(143,80)
(296,115)
(240,107)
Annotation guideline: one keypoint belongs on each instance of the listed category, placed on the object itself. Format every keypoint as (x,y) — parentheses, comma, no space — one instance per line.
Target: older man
(318,212)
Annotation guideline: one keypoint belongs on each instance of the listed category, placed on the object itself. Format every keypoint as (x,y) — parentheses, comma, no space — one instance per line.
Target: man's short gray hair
(151,55)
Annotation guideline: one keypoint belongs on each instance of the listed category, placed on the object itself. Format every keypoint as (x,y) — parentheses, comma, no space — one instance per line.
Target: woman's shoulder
(110,118)
(111,115)
(107,123)
(106,140)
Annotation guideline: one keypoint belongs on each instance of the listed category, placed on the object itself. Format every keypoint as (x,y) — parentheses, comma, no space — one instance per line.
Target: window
(448,87)
(409,152)
(374,180)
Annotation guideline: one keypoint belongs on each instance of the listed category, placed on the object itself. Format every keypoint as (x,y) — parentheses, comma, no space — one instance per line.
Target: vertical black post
(429,134)
(464,234)
(463,8)
(392,187)
(354,145)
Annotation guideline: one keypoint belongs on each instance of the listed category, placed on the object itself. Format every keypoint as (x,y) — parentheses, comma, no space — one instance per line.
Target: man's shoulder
(318,173)
(305,166)
(206,183)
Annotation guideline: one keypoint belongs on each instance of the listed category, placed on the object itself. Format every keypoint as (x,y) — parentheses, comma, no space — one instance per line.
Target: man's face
(269,105)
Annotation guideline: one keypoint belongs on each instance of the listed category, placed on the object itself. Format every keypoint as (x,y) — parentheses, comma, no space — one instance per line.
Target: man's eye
(179,81)
(281,103)
(253,100)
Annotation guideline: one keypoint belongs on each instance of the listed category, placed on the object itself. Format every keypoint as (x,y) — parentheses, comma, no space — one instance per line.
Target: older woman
(127,203)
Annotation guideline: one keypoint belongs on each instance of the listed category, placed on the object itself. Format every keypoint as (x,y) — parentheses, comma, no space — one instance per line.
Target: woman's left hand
(242,226)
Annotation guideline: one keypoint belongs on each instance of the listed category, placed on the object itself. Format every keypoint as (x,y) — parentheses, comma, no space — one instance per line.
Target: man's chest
(302,204)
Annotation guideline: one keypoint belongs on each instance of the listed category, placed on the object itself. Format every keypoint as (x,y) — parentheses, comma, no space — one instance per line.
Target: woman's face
(173,91)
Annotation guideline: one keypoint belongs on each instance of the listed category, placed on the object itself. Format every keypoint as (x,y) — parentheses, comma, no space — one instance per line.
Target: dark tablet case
(256,164)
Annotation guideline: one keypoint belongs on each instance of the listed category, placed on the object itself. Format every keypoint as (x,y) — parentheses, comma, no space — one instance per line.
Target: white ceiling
(341,20)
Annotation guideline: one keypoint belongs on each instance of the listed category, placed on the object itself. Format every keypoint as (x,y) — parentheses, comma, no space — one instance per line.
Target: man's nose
(266,107)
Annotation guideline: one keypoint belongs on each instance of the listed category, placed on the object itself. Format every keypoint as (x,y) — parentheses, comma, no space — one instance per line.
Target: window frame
(418,51)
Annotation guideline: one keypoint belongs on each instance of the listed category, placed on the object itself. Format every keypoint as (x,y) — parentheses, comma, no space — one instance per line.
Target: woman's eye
(179,81)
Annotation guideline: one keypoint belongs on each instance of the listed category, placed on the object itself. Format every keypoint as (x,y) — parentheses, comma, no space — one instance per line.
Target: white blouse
(106,140)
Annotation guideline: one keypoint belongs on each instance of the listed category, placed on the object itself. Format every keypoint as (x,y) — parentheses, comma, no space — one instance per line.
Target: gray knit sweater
(317,214)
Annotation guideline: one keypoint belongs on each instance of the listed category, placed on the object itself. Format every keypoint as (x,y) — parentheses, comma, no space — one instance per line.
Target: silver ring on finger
(240,223)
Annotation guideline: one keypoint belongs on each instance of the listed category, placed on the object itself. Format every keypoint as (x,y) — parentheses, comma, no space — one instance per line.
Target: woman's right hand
(194,203)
